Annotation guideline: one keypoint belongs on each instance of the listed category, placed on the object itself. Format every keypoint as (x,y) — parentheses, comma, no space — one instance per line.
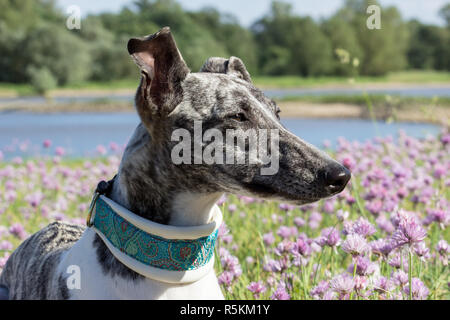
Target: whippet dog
(151,232)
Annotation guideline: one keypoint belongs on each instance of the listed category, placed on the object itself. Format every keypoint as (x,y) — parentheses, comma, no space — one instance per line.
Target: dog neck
(185,208)
(148,185)
(180,208)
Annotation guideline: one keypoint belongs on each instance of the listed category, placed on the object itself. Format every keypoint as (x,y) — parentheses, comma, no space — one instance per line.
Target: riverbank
(404,79)
(426,113)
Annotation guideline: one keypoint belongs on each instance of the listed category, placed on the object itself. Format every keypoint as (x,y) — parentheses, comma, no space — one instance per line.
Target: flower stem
(332,260)
(318,268)
(410,273)
(354,275)
(305,292)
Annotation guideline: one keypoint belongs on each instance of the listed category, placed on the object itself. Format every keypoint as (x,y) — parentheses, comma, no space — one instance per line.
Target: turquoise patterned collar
(160,252)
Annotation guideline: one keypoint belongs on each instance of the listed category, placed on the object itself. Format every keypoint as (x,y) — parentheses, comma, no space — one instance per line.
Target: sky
(247,11)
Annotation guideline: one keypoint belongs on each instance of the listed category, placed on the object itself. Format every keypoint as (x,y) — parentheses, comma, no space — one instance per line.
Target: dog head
(195,120)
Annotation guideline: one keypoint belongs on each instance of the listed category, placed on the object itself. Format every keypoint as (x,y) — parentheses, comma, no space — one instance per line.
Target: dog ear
(163,69)
(233,66)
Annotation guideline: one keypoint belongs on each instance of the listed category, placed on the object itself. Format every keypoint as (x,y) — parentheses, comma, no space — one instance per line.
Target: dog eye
(241,117)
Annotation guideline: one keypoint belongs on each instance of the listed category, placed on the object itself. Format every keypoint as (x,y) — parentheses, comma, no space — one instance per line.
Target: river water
(81,133)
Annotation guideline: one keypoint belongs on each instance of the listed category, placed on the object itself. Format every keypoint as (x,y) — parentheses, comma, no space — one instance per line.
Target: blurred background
(331,75)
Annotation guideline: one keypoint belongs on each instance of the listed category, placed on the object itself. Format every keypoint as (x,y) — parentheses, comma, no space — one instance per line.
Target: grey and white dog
(149,184)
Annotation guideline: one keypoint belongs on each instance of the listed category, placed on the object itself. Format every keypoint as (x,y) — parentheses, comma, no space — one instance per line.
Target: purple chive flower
(314,220)
(268,239)
(419,290)
(442,247)
(284,247)
(257,288)
(286,232)
(395,261)
(114,147)
(328,206)
(232,208)
(299,222)
(342,215)
(17,160)
(439,216)
(280,294)
(35,199)
(60,151)
(250,260)
(443,250)
(383,285)
(223,230)
(364,266)
(302,247)
(355,245)
(445,139)
(10,196)
(329,295)
(422,251)
(361,284)
(409,230)
(226,278)
(439,171)
(374,207)
(247,200)
(222,200)
(384,224)
(227,239)
(18,231)
(381,247)
(273,266)
(400,278)
(47,143)
(6,245)
(343,285)
(101,149)
(349,162)
(286,207)
(318,291)
(363,227)
(330,237)
(230,262)
(350,200)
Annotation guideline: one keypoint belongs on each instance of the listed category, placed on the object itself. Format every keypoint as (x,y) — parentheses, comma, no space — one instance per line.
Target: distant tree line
(36,47)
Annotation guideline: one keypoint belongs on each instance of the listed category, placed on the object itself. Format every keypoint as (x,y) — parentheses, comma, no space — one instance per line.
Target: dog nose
(336,177)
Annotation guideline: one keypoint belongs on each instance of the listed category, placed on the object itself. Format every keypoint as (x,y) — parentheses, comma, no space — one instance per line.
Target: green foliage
(289,44)
(109,59)
(33,36)
(342,37)
(383,50)
(236,40)
(429,47)
(60,51)
(42,80)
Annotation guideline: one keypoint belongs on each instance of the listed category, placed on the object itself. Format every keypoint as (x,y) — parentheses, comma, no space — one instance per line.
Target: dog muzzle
(164,253)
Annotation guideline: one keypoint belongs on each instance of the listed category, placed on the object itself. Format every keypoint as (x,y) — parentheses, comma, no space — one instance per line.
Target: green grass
(376,99)
(106,85)
(419,76)
(412,76)
(14,89)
